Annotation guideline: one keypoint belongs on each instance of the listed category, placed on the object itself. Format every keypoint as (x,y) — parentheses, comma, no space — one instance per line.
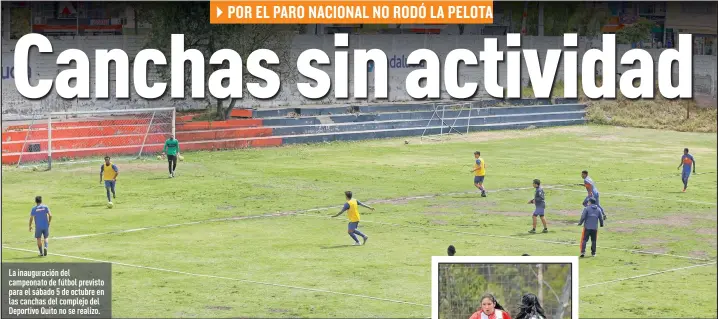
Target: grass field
(214,261)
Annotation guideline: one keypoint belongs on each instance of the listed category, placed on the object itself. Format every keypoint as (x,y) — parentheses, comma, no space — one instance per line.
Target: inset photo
(521,287)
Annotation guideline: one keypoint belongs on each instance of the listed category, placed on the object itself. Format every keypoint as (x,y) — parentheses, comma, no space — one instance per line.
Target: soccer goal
(447,120)
(89,136)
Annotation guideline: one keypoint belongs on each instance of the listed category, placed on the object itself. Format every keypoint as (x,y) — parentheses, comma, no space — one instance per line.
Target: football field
(248,233)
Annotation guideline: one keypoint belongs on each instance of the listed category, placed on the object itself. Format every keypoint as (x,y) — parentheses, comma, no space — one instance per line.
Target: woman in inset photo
(490,309)
(530,308)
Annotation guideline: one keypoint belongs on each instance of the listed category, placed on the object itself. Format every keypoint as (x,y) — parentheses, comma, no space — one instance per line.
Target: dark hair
(38,199)
(537,181)
(451,250)
(530,307)
(584,172)
(525,255)
(592,200)
(685,150)
(493,299)
(477,153)
(348,194)
(107,157)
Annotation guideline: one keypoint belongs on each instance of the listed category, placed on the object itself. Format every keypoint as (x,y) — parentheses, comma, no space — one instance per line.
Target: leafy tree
(636,32)
(192,20)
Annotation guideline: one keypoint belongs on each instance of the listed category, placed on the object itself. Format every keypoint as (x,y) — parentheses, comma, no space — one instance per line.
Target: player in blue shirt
(687,162)
(41,214)
(592,192)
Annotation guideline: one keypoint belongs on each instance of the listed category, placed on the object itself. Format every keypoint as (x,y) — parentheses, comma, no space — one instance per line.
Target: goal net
(448,119)
(62,137)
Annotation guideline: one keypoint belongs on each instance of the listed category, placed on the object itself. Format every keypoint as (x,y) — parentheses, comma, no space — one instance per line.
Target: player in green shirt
(172,150)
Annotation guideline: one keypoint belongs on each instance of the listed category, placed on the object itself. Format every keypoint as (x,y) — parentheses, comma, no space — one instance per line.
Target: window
(704,44)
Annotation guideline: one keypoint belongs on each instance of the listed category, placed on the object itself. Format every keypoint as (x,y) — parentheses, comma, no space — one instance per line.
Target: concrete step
(308,111)
(421,123)
(426,114)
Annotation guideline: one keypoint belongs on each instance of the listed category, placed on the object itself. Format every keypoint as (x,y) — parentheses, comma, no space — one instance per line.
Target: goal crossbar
(165,123)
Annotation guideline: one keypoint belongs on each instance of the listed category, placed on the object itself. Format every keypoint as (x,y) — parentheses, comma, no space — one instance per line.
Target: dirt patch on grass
(218,308)
(567,213)
(657,250)
(622,230)
(698,254)
(651,241)
(670,220)
(511,214)
(706,231)
(277,310)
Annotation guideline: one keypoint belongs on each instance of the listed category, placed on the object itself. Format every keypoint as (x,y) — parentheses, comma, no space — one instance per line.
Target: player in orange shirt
(490,309)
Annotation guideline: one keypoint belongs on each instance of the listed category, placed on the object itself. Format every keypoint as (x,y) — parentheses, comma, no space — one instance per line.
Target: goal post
(91,135)
(448,119)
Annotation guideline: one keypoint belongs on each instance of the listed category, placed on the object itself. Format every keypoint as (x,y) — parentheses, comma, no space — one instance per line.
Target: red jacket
(498,314)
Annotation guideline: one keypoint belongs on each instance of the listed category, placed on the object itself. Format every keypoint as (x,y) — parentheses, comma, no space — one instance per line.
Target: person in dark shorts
(479,172)
(592,217)
(540,202)
(688,162)
(172,150)
(42,217)
(352,209)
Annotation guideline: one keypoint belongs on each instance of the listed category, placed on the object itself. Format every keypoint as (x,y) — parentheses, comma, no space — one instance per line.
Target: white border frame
(435,260)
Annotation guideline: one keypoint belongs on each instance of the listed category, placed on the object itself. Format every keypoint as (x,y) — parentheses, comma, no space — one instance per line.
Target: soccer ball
(109,205)
(159,157)
(181,158)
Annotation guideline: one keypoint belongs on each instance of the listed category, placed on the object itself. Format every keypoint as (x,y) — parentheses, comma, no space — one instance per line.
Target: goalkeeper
(172,150)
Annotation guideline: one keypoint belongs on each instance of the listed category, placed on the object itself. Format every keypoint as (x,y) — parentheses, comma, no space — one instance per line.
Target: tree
(636,32)
(192,20)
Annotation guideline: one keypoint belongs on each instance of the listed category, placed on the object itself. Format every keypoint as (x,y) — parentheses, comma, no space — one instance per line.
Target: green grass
(309,250)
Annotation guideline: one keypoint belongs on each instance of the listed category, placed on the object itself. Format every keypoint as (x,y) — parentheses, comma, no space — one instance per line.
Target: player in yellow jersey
(352,209)
(479,173)
(108,173)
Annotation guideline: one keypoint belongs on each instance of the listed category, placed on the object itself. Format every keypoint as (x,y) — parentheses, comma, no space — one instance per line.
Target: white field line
(646,275)
(228,278)
(290,213)
(517,238)
(642,197)
(277,214)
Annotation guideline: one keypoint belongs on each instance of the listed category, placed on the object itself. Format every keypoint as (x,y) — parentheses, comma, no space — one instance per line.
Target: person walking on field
(172,150)
(591,217)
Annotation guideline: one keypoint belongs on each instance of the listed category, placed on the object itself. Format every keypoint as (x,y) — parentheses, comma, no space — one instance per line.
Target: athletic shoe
(545,230)
(483,194)
(533,231)
(45,251)
(365,239)
(593,255)
(581,256)
(171,176)
(356,243)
